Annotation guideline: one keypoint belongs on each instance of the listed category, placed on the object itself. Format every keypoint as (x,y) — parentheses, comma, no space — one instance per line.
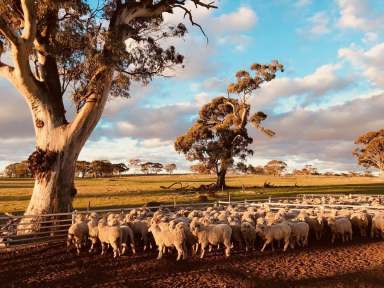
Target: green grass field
(138,190)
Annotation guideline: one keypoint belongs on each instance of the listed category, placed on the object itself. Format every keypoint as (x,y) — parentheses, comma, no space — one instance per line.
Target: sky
(331,91)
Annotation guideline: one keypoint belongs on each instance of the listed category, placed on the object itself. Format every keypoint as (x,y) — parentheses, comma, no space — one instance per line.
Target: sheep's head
(195,227)
(79,218)
(113,219)
(153,228)
(260,229)
(172,225)
(102,222)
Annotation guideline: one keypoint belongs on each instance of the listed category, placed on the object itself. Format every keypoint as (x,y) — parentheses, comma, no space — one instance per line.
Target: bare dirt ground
(358,264)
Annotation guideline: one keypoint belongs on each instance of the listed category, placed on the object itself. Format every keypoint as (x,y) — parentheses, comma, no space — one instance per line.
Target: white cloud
(323,80)
(357,14)
(239,21)
(319,24)
(325,134)
(225,29)
(370,62)
(370,38)
(302,3)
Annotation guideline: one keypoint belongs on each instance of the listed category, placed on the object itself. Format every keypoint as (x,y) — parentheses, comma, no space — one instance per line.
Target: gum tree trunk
(220,181)
(58,145)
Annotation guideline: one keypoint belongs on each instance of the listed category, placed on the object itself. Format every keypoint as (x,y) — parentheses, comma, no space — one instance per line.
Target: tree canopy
(170,167)
(85,51)
(370,150)
(220,133)
(275,167)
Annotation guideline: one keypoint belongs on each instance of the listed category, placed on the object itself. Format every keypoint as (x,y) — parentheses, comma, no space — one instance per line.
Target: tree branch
(193,23)
(29,31)
(90,113)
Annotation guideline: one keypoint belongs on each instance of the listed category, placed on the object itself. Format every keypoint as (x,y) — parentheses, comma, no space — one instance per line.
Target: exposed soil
(358,264)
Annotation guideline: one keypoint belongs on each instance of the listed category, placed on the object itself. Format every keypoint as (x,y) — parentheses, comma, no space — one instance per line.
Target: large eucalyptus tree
(78,48)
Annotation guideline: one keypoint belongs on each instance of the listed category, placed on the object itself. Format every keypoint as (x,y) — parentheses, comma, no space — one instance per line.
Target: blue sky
(331,90)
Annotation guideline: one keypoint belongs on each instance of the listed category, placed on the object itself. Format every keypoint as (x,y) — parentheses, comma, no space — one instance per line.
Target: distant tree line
(273,167)
(97,168)
(278,168)
(144,167)
(18,170)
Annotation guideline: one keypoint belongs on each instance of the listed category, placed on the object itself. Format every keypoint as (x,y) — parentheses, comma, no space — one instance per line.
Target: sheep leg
(180,251)
(78,245)
(196,248)
(92,245)
(228,250)
(160,252)
(203,247)
(103,248)
(246,246)
(333,238)
(69,243)
(145,241)
(286,244)
(133,248)
(265,244)
(123,248)
(116,249)
(210,248)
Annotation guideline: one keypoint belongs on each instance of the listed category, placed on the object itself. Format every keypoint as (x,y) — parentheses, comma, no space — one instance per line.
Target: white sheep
(377,228)
(169,237)
(212,235)
(280,231)
(127,238)
(299,234)
(249,235)
(359,221)
(140,230)
(77,233)
(93,230)
(340,227)
(110,234)
(316,225)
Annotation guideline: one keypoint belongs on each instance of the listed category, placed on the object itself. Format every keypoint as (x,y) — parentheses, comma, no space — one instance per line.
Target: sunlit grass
(138,190)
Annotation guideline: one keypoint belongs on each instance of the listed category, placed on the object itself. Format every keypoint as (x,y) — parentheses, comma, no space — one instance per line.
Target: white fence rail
(54,227)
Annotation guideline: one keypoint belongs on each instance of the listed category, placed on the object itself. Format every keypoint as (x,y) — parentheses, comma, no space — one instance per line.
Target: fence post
(74,212)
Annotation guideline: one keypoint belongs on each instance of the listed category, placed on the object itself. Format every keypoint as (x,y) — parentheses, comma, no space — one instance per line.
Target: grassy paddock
(138,190)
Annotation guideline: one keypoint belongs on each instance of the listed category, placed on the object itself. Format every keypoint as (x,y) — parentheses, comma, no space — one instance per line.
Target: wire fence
(53,227)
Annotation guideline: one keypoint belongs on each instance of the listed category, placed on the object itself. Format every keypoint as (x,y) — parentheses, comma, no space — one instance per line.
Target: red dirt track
(351,265)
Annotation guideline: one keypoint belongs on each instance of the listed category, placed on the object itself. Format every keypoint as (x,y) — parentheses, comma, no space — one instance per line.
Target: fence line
(55,226)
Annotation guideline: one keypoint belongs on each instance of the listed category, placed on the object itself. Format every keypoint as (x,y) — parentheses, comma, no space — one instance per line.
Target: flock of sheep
(231,227)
